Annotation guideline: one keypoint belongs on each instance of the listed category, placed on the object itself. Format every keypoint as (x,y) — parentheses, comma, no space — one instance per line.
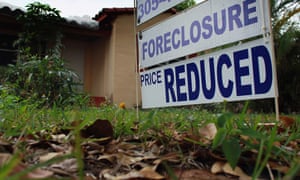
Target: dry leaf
(68,165)
(35,174)
(198,174)
(145,173)
(121,158)
(217,167)
(287,121)
(236,172)
(39,174)
(170,157)
(149,173)
(209,131)
(41,144)
(5,147)
(278,167)
(61,138)
(127,160)
(66,148)
(4,158)
(109,157)
(50,155)
(221,167)
(101,129)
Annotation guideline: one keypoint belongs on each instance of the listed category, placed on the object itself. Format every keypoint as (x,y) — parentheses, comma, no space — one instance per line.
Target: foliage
(40,30)
(45,80)
(234,132)
(185,4)
(286,32)
(41,75)
(282,12)
(288,70)
(3,70)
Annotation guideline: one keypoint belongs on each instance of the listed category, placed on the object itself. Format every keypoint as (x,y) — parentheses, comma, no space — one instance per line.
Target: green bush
(44,79)
(39,75)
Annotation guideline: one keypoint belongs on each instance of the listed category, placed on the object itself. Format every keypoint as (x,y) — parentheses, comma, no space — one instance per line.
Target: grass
(34,119)
(25,119)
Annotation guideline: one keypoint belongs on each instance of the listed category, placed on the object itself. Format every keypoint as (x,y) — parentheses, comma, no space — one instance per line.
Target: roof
(113,11)
(12,12)
(107,15)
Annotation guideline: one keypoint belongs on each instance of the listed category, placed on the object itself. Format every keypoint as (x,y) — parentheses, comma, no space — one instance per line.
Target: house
(103,55)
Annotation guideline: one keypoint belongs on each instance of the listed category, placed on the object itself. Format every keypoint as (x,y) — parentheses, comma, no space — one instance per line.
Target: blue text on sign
(237,73)
(184,75)
(199,29)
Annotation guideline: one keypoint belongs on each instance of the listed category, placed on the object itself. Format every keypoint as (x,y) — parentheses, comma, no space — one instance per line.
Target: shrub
(40,75)
(44,79)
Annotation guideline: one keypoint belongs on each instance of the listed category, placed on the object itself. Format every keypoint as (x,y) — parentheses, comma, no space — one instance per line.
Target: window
(8,53)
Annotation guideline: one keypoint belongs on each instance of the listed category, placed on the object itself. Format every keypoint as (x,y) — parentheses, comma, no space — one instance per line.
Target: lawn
(111,142)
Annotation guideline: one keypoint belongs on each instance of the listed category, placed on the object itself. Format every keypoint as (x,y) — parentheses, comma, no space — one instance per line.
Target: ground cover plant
(111,142)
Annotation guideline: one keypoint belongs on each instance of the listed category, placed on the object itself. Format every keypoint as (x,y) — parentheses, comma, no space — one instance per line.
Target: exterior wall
(74,54)
(122,82)
(109,67)
(124,53)
(88,60)
(95,68)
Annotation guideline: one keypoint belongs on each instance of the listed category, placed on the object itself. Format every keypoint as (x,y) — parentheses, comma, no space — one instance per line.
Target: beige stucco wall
(87,58)
(124,54)
(96,68)
(74,54)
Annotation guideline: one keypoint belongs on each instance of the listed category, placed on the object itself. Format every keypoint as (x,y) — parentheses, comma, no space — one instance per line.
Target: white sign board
(238,73)
(147,9)
(210,24)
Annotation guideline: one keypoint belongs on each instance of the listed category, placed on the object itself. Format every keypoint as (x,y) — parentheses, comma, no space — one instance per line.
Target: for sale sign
(242,72)
(237,73)
(210,24)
